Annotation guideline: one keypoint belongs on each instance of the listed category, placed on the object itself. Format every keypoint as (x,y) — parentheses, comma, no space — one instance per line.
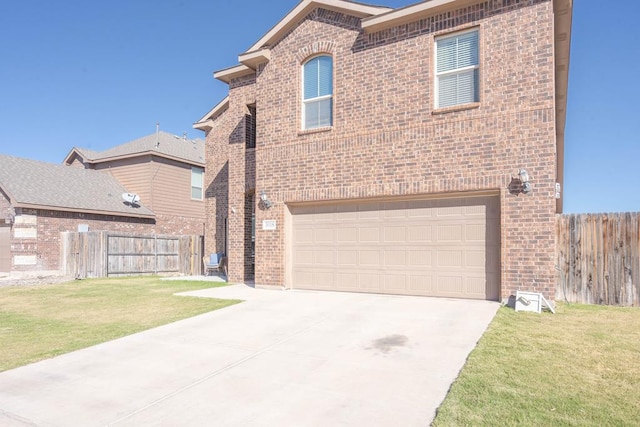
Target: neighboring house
(40,200)
(379,150)
(165,170)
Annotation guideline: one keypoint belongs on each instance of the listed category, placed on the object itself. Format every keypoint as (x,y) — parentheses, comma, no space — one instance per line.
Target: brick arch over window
(316,48)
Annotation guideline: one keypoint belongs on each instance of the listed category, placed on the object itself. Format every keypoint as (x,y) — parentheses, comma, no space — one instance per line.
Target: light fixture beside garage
(9,219)
(524,179)
(265,200)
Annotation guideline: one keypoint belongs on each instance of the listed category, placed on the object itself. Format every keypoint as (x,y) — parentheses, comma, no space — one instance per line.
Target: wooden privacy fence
(598,258)
(108,254)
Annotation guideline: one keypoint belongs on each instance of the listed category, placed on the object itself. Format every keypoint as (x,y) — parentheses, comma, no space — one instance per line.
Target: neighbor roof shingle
(45,185)
(163,143)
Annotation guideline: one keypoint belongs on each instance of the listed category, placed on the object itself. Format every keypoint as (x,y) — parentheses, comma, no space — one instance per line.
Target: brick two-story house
(381,150)
(165,170)
(39,200)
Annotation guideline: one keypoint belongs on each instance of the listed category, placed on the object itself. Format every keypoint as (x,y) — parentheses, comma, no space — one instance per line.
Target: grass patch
(579,367)
(37,323)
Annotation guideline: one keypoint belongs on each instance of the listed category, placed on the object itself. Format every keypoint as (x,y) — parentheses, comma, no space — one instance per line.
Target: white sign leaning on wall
(269,224)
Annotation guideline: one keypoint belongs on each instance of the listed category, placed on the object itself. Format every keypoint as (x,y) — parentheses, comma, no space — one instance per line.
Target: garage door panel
(321,235)
(347,281)
(450,233)
(395,258)
(324,279)
(369,234)
(347,258)
(304,235)
(420,258)
(303,278)
(420,233)
(347,235)
(475,233)
(370,259)
(324,258)
(395,234)
(450,258)
(421,284)
(395,282)
(446,247)
(449,211)
(475,286)
(449,285)
(303,257)
(369,281)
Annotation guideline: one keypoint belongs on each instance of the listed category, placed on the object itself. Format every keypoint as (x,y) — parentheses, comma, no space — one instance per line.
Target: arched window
(317,92)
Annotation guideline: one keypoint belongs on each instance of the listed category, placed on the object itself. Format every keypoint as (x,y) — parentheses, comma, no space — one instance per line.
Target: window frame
(456,71)
(317,99)
(201,187)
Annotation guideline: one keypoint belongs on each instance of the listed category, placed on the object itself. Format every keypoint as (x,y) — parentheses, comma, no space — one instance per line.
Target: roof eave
(255,58)
(74,150)
(234,72)
(304,7)
(147,153)
(80,210)
(207,119)
(562,12)
(410,13)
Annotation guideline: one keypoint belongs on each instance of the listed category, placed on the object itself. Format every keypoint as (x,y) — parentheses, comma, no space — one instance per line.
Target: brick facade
(387,140)
(35,242)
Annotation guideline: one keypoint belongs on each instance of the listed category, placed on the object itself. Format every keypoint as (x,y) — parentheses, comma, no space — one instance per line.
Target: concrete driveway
(278,359)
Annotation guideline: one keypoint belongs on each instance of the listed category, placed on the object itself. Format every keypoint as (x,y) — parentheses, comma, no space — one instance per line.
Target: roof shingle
(46,185)
(162,143)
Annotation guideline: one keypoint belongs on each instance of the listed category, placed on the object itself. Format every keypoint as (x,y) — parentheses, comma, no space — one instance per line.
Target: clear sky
(98,74)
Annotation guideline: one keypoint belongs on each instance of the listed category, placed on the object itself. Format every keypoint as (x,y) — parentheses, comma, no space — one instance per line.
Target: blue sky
(98,74)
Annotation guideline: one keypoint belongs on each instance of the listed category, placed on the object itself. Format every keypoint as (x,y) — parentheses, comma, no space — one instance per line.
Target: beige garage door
(5,249)
(444,247)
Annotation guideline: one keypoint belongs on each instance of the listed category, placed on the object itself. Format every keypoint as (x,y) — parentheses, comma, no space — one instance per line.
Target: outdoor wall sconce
(524,178)
(9,219)
(520,183)
(265,200)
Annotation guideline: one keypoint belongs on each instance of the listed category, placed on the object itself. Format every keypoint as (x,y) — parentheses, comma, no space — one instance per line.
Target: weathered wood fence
(108,254)
(598,258)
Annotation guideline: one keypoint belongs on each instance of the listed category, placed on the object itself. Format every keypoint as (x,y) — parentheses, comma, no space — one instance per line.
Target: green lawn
(37,323)
(579,367)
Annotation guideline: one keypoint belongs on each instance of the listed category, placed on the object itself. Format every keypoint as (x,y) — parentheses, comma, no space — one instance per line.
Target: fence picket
(104,254)
(598,258)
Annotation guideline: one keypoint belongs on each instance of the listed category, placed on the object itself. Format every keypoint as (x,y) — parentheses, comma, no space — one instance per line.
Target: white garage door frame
(472,259)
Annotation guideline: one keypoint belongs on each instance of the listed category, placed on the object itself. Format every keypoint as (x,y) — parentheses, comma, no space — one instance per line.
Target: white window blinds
(317,92)
(457,69)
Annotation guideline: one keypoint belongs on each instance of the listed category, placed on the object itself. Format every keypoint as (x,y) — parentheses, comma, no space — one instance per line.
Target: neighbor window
(457,69)
(197,175)
(317,91)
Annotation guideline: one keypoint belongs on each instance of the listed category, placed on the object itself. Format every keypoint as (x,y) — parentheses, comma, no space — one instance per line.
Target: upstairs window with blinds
(317,90)
(197,180)
(457,69)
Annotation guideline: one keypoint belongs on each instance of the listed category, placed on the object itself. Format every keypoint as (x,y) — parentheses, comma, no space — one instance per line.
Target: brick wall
(36,233)
(387,139)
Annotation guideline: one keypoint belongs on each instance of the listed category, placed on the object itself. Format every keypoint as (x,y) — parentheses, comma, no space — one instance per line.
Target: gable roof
(41,185)
(206,122)
(161,144)
(260,52)
(303,8)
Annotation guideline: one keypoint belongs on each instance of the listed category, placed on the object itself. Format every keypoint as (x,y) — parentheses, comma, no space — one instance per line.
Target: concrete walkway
(278,359)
